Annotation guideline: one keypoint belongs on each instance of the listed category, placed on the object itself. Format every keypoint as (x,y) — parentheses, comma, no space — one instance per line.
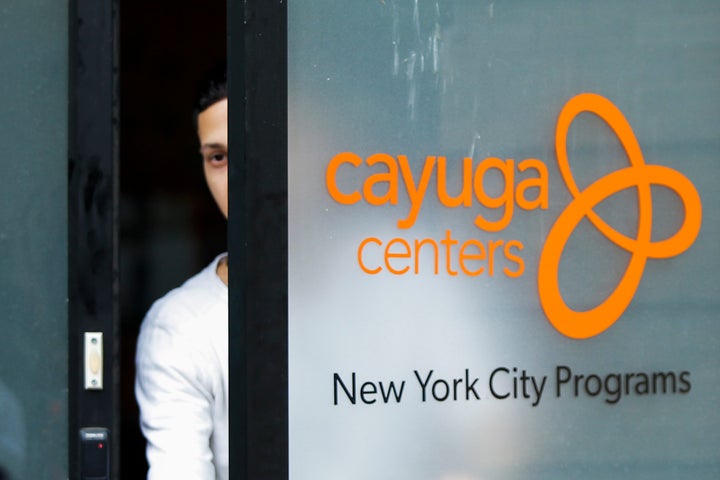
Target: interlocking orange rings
(638,175)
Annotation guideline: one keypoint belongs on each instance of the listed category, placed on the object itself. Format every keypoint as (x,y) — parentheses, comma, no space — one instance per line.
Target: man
(182,354)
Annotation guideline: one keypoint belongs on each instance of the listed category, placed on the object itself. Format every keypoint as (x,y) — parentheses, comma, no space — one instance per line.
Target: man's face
(212,130)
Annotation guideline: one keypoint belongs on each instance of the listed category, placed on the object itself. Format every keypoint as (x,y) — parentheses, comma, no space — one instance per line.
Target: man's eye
(217,158)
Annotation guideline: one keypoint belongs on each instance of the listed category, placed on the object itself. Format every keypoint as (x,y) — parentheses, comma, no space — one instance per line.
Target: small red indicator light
(100,446)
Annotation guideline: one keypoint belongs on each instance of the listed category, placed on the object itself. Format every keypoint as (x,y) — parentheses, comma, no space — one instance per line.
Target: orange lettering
(390,177)
(331,173)
(514,258)
(472,257)
(506,198)
(415,193)
(465,196)
(405,253)
(541,183)
(374,271)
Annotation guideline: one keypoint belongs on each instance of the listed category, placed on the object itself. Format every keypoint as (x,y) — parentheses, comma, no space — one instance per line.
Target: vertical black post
(93,219)
(257,230)
(237,240)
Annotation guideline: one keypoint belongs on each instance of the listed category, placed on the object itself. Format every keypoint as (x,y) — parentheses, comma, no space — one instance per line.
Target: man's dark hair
(213,88)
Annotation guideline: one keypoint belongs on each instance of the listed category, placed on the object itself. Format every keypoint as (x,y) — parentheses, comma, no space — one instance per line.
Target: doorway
(169,226)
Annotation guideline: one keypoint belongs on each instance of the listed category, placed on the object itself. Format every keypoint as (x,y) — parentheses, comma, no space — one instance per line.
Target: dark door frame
(93,220)
(257,230)
(258,238)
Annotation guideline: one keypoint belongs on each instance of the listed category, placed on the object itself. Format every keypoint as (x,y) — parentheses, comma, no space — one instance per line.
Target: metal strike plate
(93,361)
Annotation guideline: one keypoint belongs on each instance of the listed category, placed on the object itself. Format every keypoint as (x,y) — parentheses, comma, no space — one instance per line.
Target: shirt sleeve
(175,399)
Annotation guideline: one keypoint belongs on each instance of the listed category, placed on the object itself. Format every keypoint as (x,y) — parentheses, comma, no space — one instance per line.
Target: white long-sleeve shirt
(182,380)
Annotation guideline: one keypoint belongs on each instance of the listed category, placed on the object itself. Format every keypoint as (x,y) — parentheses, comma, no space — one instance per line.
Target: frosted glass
(33,245)
(398,81)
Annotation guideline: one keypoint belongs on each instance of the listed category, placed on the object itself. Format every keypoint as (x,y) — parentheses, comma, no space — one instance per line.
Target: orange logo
(638,175)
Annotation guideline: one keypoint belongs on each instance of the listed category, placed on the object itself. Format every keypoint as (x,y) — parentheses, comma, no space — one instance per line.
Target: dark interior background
(169,226)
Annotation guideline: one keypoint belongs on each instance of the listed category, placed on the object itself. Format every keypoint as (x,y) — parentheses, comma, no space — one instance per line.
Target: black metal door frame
(93,220)
(258,238)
